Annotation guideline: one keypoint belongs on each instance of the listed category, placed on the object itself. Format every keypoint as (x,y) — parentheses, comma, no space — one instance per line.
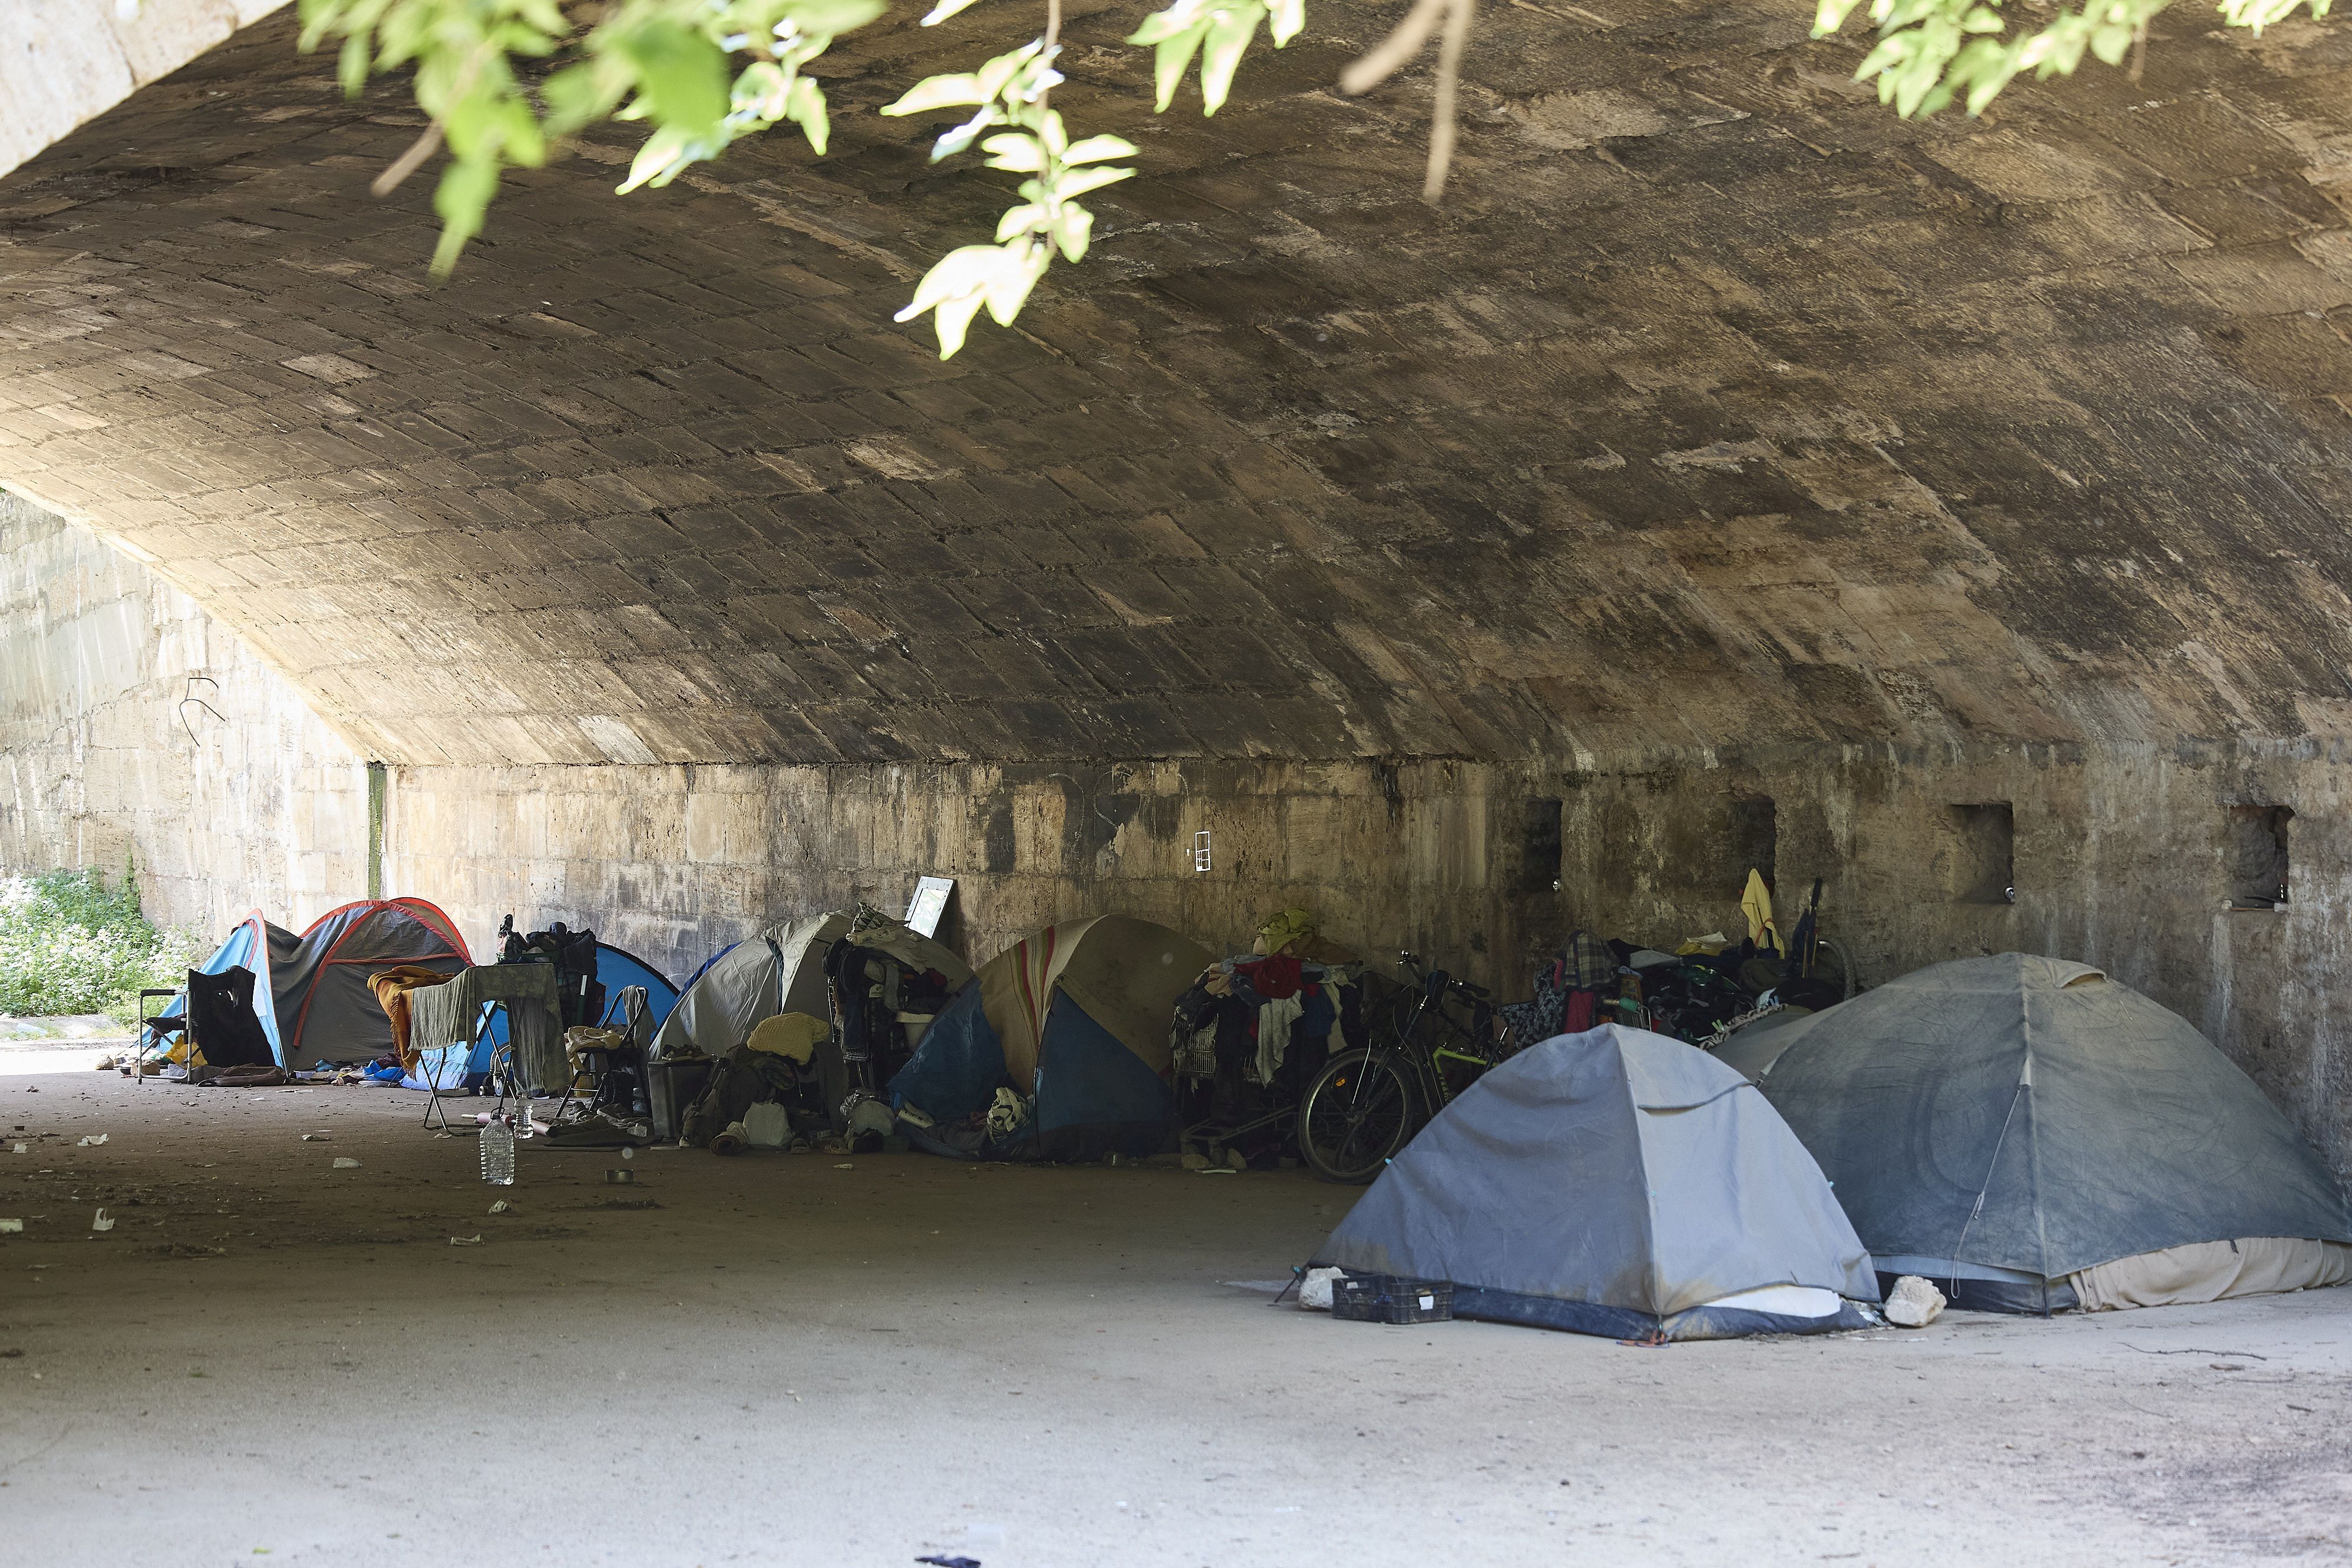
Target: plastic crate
(1386,1299)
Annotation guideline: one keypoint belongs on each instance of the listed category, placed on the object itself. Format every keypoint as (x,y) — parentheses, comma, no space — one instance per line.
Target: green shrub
(69,945)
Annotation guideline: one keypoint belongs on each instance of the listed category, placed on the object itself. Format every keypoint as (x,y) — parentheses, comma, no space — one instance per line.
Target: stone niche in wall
(1975,853)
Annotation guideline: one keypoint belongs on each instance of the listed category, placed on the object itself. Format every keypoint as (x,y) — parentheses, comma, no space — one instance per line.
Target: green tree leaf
(1220,55)
(1095,149)
(941,92)
(681,74)
(1016,151)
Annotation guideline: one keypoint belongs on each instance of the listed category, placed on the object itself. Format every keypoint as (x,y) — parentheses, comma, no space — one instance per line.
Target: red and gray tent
(310,991)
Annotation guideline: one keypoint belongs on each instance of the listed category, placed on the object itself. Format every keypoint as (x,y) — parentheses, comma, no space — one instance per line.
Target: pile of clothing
(1264,1020)
(769,1094)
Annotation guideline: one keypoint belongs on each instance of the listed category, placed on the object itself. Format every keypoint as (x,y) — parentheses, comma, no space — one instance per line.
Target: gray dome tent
(2034,1136)
(1618,1183)
(781,970)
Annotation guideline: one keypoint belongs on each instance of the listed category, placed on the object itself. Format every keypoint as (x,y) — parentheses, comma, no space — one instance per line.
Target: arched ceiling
(1716,408)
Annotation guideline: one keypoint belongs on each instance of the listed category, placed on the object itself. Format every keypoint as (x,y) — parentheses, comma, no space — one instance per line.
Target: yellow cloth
(794,1035)
(392,988)
(1291,926)
(1756,904)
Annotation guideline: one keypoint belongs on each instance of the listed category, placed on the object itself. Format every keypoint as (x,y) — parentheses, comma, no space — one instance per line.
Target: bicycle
(1367,1105)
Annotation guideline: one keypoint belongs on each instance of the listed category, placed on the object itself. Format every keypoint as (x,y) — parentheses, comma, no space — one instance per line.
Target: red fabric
(1577,1017)
(1274,978)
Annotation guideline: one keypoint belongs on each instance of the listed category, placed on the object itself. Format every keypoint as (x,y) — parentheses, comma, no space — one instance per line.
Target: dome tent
(310,991)
(2034,1136)
(1074,1019)
(781,970)
(1618,1183)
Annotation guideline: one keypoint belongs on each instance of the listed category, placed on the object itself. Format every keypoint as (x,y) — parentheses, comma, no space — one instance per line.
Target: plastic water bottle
(498,1154)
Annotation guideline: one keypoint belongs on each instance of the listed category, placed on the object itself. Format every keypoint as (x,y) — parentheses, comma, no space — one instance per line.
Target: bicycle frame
(1424,1067)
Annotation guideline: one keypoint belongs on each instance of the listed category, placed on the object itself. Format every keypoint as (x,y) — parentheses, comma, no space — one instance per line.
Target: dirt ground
(802,1359)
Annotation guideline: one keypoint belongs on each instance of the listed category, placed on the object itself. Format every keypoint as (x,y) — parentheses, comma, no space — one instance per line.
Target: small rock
(1913,1303)
(345,1163)
(1193,1161)
(1235,1160)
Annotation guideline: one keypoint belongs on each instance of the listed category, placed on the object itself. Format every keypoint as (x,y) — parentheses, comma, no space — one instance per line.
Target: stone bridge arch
(1726,464)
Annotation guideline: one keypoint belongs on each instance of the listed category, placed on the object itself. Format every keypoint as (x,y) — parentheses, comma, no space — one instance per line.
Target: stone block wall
(2130,857)
(2125,857)
(675,862)
(223,793)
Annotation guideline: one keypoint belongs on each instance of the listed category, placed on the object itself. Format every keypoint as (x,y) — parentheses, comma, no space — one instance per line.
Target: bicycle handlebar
(1433,982)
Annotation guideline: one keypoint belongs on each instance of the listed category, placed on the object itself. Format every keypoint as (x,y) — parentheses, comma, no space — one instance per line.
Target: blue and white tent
(1617,1183)
(1075,1020)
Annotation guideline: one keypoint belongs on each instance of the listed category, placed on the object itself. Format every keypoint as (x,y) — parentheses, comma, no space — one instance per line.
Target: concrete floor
(777,1360)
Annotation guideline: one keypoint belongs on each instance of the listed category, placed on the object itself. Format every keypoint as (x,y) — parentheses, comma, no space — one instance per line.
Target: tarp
(1073,1017)
(1614,1182)
(310,991)
(2022,1118)
(2212,1271)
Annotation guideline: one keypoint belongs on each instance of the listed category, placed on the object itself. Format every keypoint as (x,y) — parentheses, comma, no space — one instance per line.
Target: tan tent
(1073,1022)
(1126,973)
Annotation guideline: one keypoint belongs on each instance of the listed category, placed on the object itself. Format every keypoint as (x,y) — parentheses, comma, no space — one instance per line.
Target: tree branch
(1388,56)
(408,162)
(1440,119)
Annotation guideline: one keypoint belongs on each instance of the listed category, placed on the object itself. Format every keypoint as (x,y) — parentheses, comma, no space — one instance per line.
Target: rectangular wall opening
(1984,853)
(1540,866)
(2257,856)
(1755,836)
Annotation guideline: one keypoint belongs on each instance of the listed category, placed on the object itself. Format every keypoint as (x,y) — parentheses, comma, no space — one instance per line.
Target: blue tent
(616,967)
(1075,1020)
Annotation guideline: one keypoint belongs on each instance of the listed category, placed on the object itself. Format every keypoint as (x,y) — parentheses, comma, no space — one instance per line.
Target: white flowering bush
(70,946)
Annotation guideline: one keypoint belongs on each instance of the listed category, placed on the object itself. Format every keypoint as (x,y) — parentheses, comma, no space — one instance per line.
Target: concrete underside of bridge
(1729,474)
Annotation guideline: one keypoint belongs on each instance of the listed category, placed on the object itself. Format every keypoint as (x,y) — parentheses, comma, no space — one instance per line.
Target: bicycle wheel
(1358,1111)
